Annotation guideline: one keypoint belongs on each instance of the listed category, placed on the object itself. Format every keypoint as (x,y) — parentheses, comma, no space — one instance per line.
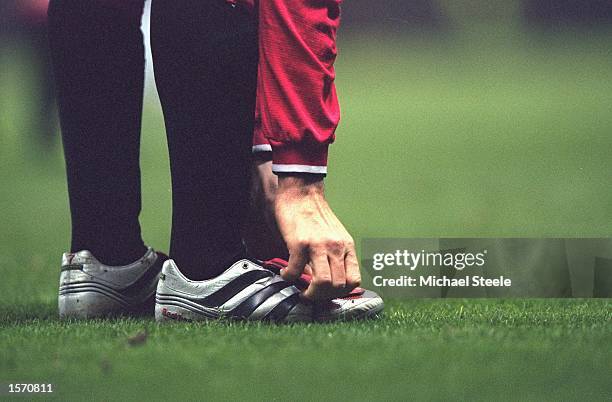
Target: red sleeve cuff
(299,157)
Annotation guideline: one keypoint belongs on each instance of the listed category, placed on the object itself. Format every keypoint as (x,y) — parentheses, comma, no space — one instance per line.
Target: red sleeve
(260,142)
(297,104)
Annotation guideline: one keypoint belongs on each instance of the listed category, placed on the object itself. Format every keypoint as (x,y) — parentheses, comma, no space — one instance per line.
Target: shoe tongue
(355,292)
(276,265)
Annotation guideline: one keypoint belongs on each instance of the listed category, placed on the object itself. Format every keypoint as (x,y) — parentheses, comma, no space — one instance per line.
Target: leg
(98,57)
(205,58)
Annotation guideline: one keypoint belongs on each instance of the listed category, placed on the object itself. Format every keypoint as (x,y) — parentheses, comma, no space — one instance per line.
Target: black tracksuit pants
(205,62)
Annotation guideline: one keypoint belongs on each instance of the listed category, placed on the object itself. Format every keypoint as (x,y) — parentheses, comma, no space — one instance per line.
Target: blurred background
(460,118)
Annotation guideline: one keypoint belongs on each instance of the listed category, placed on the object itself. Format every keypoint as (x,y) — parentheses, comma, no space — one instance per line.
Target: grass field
(421,350)
(469,136)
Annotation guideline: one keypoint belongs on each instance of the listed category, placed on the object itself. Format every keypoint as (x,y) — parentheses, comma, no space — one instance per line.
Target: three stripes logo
(246,308)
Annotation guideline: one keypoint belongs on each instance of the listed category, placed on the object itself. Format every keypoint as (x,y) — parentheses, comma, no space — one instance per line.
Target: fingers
(338,274)
(351,263)
(298,258)
(321,286)
(335,270)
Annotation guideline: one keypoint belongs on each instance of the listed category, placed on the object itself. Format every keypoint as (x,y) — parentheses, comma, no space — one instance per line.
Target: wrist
(297,184)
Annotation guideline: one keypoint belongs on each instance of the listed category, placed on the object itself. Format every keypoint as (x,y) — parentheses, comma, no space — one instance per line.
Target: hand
(315,237)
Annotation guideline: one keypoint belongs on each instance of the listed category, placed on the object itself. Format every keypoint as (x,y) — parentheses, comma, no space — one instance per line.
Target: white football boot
(251,290)
(245,291)
(91,289)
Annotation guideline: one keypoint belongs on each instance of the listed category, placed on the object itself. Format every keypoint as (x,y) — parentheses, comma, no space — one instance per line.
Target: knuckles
(335,245)
(350,244)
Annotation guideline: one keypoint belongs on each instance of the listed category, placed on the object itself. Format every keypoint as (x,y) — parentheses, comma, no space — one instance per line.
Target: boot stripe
(232,288)
(246,308)
(283,308)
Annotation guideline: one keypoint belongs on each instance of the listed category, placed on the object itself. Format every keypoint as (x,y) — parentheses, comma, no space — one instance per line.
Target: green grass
(421,350)
(467,136)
